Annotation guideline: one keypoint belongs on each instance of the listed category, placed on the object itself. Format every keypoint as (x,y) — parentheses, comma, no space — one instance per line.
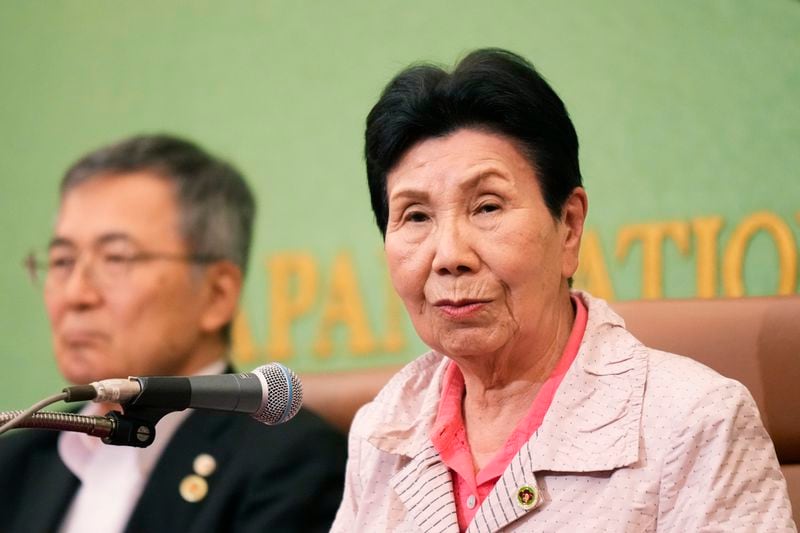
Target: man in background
(142,277)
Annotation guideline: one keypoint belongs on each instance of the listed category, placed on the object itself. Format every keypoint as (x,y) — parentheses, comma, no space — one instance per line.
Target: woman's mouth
(458,309)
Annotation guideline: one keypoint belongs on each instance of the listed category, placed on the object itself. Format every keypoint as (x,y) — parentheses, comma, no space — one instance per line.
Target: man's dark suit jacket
(268,478)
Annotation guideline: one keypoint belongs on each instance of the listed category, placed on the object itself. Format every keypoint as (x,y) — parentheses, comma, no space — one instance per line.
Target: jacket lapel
(592,425)
(501,506)
(54,490)
(423,485)
(426,489)
(161,506)
(594,421)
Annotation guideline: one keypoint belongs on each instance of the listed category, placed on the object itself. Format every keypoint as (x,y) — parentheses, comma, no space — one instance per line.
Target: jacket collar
(593,423)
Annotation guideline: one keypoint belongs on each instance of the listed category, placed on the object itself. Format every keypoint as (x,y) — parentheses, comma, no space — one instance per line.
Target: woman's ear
(573,217)
(224,282)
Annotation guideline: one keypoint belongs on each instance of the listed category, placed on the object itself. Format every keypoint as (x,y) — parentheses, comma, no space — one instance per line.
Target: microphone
(271,394)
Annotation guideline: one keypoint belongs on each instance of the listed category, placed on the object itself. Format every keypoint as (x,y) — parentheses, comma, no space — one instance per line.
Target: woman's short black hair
(490,89)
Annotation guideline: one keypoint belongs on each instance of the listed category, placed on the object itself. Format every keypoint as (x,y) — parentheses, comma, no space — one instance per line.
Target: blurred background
(688,113)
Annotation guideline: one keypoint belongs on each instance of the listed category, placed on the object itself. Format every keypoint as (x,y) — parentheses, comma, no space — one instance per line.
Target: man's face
(111,317)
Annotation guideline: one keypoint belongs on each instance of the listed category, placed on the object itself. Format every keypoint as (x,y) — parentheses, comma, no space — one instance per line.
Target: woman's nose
(454,252)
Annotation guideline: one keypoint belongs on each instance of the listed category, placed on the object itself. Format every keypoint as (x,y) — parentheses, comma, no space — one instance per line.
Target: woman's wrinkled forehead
(459,162)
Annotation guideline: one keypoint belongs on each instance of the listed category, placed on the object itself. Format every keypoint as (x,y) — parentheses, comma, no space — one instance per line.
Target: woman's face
(472,250)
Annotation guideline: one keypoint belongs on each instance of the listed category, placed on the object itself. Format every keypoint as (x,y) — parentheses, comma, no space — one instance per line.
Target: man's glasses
(105,268)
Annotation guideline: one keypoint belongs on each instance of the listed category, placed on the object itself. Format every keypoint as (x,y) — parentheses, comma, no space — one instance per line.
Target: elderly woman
(535,410)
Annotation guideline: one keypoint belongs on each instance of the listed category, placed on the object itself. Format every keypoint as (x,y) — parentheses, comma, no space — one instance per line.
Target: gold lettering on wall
(706,233)
(592,273)
(733,261)
(652,236)
(344,306)
(293,281)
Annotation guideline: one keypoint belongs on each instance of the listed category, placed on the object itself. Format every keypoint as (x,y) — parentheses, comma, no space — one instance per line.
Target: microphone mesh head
(284,394)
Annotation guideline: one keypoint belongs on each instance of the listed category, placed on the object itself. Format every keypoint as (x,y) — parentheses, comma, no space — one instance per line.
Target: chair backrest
(753,340)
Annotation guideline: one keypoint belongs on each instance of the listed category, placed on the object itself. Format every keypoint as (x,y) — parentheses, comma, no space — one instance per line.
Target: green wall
(686,110)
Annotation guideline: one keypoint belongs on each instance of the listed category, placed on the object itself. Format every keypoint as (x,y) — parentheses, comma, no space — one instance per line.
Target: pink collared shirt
(449,436)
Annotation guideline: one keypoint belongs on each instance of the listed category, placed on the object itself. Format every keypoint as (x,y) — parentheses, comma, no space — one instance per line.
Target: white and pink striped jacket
(635,440)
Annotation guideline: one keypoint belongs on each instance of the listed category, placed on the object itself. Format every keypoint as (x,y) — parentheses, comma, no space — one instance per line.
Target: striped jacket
(635,440)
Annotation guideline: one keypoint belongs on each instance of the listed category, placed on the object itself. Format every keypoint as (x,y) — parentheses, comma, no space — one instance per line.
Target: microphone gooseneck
(96,426)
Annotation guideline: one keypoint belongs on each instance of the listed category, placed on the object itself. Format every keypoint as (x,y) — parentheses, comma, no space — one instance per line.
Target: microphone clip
(135,427)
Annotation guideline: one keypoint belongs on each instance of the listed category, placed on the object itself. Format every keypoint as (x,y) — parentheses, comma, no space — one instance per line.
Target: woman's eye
(488,208)
(416,216)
